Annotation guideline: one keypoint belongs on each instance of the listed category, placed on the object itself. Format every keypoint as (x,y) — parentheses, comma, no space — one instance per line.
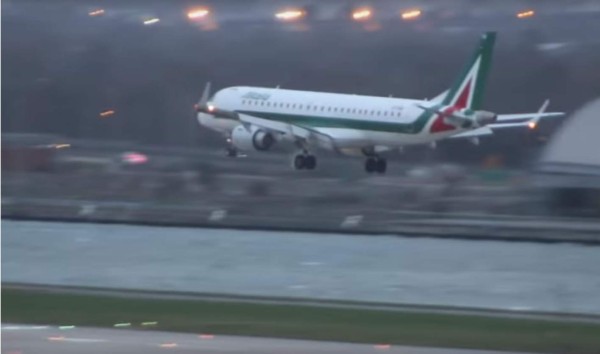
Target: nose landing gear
(231,151)
(375,164)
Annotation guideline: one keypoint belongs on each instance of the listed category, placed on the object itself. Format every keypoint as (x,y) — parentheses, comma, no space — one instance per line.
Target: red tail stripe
(463,98)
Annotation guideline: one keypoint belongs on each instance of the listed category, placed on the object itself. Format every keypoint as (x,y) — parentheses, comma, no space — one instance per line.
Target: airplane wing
(522,119)
(530,120)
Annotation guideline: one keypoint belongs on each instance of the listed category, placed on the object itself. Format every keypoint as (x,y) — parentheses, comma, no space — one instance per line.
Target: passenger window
(299,106)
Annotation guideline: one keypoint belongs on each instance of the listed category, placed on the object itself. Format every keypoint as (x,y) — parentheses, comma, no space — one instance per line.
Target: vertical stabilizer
(467,90)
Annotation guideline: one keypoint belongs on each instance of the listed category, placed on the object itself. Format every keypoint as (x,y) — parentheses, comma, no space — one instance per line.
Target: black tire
(381,166)
(310,162)
(371,165)
(299,162)
(231,152)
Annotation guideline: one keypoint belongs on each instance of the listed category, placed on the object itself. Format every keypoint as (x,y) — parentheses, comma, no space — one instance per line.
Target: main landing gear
(375,164)
(304,161)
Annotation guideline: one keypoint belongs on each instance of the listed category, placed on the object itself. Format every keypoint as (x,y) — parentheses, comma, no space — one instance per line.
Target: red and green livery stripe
(467,91)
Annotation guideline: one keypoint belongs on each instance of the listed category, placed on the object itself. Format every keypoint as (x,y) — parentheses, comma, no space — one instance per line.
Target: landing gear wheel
(299,162)
(381,166)
(310,162)
(304,161)
(232,152)
(371,165)
(375,164)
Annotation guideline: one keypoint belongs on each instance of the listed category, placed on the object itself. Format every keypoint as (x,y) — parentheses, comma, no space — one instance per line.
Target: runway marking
(351,221)
(149,323)
(521,308)
(298,286)
(217,215)
(56,338)
(66,327)
(123,324)
(20,328)
(75,340)
(84,340)
(168,345)
(206,336)
(311,263)
(382,346)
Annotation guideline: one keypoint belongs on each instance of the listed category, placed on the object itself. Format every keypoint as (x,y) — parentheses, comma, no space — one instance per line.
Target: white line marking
(23,328)
(298,286)
(84,340)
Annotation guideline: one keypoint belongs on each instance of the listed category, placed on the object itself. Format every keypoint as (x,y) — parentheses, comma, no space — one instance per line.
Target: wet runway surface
(488,274)
(25,339)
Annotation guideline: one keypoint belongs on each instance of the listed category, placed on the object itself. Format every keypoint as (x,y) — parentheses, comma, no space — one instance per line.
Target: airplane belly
(217,124)
(394,139)
(344,137)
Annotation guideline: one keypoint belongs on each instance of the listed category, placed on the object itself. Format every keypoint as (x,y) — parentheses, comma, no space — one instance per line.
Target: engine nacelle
(484,118)
(253,139)
(468,119)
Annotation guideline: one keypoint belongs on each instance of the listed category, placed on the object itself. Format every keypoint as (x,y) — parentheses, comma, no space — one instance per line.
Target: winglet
(205,95)
(533,122)
(203,105)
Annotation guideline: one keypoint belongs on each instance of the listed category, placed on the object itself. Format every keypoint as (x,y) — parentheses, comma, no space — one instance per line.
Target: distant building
(569,169)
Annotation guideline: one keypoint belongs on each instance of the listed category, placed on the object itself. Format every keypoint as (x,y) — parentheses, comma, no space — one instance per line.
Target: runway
(24,339)
(486,274)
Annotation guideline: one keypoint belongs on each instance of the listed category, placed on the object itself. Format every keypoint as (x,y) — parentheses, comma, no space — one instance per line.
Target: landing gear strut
(305,161)
(375,164)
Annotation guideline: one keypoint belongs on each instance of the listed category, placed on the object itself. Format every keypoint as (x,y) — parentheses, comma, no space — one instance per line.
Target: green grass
(291,321)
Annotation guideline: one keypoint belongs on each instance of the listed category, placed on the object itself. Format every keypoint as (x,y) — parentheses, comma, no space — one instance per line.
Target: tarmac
(22,339)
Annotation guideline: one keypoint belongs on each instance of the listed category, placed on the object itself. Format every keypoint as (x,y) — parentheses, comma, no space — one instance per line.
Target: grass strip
(302,322)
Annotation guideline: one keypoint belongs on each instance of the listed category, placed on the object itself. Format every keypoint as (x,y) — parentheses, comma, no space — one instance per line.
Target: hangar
(568,171)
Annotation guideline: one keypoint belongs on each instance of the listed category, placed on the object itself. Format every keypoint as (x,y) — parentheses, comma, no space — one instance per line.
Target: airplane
(256,118)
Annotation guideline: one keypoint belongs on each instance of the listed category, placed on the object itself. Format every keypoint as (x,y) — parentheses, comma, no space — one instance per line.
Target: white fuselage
(354,121)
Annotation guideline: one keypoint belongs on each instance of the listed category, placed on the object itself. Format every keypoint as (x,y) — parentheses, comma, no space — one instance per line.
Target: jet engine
(472,119)
(484,118)
(251,139)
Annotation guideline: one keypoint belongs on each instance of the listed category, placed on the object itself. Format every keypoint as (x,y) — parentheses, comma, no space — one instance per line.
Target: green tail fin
(467,91)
